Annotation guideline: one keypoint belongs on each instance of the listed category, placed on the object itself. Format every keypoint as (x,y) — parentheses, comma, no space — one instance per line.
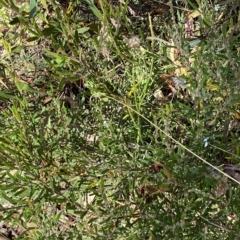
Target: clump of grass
(81,123)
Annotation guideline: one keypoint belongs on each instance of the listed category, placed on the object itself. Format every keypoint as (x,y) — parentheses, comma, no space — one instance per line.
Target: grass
(88,105)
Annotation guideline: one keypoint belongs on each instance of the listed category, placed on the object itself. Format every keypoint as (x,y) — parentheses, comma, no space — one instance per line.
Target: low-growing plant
(114,124)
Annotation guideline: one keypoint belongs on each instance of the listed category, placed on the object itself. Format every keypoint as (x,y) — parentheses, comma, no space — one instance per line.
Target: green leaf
(9,199)
(194,42)
(14,21)
(31,39)
(56,55)
(94,9)
(95,27)
(50,31)
(61,84)
(24,21)
(4,3)
(13,6)
(59,59)
(32,8)
(235,100)
(224,29)
(207,22)
(18,48)
(83,30)
(7,47)
(21,86)
(7,95)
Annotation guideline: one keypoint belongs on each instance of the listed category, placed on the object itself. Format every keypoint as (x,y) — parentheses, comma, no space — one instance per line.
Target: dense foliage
(116,117)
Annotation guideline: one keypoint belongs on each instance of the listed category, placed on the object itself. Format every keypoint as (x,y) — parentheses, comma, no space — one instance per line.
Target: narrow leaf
(32,8)
(94,9)
(21,86)
(6,95)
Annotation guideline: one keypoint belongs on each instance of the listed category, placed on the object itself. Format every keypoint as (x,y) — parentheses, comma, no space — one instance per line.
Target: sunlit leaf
(194,14)
(83,30)
(94,9)
(32,8)
(22,86)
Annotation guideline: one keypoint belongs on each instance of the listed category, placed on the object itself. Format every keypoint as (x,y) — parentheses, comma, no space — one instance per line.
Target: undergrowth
(94,94)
